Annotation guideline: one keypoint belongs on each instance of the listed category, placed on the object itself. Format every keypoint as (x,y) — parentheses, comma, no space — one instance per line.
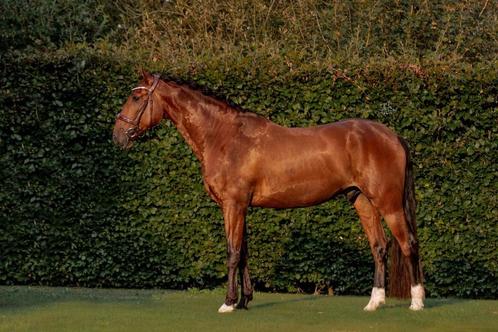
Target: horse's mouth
(122,141)
(127,146)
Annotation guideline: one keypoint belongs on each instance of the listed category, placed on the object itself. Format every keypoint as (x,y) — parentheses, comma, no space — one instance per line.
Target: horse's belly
(298,194)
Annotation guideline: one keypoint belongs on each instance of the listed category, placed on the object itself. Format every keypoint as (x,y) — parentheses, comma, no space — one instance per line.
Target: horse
(248,161)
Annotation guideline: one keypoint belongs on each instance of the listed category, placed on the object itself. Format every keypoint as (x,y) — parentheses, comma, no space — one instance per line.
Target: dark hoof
(243,302)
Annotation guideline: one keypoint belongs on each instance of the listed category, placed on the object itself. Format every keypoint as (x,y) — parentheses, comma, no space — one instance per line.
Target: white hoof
(226,308)
(371,306)
(418,295)
(378,297)
(417,305)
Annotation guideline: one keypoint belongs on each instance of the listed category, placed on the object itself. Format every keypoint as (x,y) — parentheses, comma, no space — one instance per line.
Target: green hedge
(75,210)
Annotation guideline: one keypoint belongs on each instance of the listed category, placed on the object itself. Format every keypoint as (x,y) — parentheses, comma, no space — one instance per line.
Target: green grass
(77,309)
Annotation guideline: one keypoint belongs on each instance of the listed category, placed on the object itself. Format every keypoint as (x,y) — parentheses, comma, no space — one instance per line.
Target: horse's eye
(136,98)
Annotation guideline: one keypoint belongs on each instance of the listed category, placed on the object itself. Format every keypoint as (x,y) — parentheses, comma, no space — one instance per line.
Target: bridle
(134,132)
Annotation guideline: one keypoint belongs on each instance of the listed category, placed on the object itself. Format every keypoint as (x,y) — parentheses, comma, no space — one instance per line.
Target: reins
(133,131)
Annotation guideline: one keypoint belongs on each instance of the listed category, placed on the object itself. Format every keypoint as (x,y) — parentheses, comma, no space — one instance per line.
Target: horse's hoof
(371,307)
(417,305)
(243,303)
(241,306)
(226,308)
(378,297)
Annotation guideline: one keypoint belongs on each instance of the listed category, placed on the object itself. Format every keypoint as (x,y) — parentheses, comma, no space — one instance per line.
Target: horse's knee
(233,258)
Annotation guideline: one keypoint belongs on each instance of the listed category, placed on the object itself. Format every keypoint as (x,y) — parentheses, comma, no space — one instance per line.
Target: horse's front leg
(245,280)
(234,216)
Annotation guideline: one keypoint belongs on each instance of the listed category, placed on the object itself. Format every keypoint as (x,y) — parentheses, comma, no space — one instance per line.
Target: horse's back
(343,139)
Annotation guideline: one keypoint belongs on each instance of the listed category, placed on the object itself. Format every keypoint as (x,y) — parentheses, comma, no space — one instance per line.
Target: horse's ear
(145,75)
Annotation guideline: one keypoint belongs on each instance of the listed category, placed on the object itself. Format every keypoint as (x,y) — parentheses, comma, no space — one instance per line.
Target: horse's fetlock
(231,301)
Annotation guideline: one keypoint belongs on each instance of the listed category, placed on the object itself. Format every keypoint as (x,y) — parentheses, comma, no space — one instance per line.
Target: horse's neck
(199,119)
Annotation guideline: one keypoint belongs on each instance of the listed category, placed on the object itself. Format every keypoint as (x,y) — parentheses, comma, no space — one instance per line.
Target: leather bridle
(134,132)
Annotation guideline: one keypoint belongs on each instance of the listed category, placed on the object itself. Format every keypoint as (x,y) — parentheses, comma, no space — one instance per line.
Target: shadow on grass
(276,303)
(391,304)
(14,298)
(434,303)
(428,303)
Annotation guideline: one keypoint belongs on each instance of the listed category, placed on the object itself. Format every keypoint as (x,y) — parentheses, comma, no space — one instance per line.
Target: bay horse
(247,160)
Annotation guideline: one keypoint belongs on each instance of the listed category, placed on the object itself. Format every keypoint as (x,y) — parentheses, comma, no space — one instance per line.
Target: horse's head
(139,113)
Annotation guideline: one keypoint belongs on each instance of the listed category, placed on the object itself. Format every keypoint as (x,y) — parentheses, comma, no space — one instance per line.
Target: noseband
(134,131)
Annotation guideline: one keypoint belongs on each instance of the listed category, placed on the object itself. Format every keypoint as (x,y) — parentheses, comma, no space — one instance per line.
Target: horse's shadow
(435,303)
(429,303)
(276,303)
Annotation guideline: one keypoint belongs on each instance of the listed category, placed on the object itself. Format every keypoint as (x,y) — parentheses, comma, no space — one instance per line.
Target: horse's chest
(225,183)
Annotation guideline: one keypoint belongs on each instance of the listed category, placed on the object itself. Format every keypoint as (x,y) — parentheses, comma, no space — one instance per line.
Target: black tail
(399,274)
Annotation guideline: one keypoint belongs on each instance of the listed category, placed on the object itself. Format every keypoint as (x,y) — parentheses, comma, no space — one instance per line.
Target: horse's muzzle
(122,140)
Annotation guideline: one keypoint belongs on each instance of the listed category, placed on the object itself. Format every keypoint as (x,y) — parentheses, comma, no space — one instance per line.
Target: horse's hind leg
(370,220)
(407,241)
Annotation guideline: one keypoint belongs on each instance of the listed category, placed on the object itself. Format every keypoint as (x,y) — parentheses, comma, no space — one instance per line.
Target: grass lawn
(79,309)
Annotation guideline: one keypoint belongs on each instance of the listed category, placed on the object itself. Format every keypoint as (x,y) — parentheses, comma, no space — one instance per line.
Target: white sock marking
(418,295)
(377,298)
(226,308)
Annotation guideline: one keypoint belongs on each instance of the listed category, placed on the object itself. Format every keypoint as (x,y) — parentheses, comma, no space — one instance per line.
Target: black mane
(193,85)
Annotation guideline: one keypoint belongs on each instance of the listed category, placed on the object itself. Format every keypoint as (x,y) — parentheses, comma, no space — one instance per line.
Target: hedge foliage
(75,210)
